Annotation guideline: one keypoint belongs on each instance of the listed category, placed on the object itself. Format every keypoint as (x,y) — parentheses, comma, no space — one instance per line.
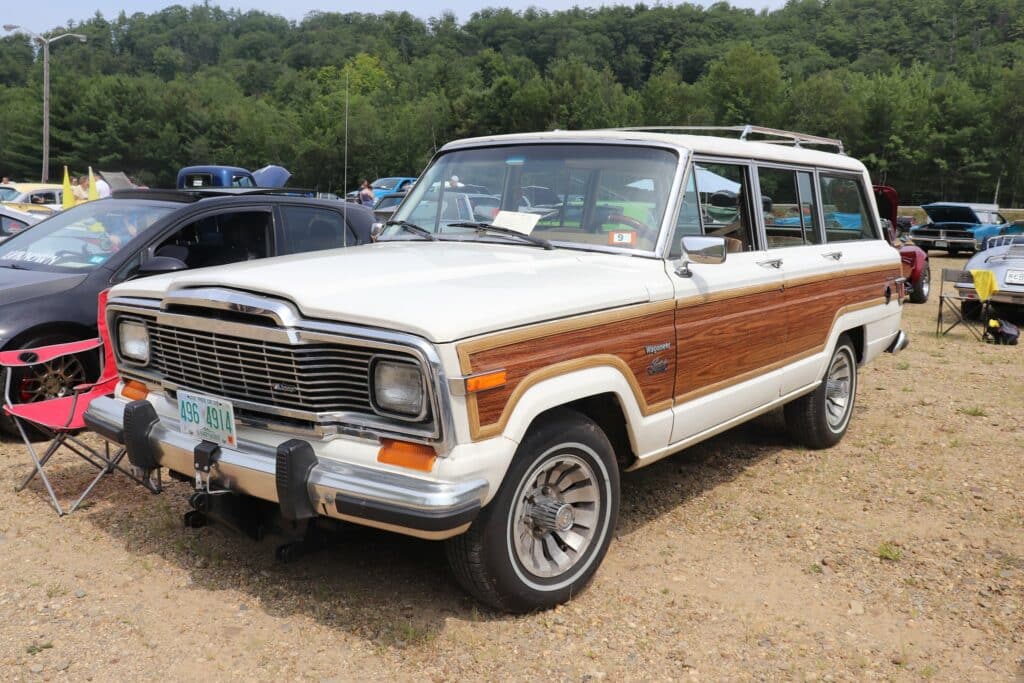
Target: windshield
(82,238)
(593,196)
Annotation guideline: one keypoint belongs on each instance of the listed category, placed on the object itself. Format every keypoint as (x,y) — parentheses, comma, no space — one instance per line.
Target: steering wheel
(642,228)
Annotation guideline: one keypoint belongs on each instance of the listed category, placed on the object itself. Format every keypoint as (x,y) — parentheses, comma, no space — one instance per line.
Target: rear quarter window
(845,208)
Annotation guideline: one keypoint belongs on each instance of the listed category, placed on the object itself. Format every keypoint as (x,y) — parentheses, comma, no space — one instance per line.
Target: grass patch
(890,552)
(36,648)
(903,365)
(815,568)
(974,411)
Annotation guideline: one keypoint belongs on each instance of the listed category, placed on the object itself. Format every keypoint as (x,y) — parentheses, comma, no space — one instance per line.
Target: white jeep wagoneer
(543,311)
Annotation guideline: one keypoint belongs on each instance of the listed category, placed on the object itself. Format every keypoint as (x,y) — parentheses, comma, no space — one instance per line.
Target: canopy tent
(708,182)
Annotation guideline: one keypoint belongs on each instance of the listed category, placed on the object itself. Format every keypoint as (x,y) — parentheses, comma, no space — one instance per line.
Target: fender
(648,429)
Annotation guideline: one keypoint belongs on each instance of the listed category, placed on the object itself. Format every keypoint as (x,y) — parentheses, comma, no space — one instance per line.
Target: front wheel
(819,419)
(541,539)
(919,294)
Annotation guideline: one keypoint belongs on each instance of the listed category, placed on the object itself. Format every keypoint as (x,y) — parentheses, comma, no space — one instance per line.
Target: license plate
(207,418)
(941,243)
(1015,277)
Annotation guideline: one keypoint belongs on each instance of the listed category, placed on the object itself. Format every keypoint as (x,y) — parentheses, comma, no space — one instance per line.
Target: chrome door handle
(771,263)
(836,255)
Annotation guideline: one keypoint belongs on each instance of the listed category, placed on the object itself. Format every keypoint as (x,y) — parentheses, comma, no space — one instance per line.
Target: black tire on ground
(542,537)
(819,419)
(970,310)
(77,369)
(923,286)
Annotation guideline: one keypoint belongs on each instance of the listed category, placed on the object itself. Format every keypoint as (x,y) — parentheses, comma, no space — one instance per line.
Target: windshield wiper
(414,229)
(488,227)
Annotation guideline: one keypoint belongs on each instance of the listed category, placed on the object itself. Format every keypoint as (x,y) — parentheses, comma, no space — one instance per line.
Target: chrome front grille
(312,377)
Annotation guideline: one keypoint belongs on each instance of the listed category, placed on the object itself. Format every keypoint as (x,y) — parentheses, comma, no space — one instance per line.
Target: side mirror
(375,230)
(704,249)
(160,264)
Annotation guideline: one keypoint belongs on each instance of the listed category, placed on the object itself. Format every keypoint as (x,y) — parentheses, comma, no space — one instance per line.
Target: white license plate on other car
(1015,277)
(207,418)
(941,243)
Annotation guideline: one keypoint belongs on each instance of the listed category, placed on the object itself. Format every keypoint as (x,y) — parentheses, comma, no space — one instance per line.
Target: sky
(44,16)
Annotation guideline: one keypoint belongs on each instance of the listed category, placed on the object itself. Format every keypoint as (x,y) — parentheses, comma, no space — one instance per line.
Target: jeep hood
(442,291)
(950,214)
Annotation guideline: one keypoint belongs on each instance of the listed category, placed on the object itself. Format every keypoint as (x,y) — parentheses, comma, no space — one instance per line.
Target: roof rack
(781,137)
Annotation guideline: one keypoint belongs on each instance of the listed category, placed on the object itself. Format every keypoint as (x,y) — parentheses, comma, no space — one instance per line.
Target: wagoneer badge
(655,348)
(282,388)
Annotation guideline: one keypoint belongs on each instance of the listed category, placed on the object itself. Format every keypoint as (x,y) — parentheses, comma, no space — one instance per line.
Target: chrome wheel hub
(555,520)
(839,388)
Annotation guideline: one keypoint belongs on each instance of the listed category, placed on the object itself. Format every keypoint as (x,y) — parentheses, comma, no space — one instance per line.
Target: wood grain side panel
(812,305)
(529,358)
(728,338)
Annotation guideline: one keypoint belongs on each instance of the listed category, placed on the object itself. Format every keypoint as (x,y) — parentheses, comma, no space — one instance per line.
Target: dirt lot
(897,555)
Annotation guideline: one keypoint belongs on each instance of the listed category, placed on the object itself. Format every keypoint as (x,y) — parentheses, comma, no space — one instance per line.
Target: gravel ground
(897,555)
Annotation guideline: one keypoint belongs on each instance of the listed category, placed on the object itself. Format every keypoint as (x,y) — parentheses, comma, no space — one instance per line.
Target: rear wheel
(819,419)
(923,286)
(541,539)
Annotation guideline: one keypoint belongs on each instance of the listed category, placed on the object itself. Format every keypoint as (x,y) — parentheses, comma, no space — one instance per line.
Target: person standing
(80,190)
(366,196)
(102,187)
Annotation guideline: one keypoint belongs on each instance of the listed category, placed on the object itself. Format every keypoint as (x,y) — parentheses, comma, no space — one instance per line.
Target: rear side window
(198,180)
(789,216)
(845,209)
(309,228)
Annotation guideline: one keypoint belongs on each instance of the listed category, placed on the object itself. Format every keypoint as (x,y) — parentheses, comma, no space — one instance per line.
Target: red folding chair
(62,416)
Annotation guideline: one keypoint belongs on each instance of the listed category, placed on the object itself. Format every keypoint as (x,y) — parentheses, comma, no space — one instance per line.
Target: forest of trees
(928,93)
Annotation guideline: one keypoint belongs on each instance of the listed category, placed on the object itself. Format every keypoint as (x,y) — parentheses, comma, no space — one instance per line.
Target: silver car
(1004,256)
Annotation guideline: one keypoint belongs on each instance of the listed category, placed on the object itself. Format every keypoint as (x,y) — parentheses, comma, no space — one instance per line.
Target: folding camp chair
(952,304)
(62,415)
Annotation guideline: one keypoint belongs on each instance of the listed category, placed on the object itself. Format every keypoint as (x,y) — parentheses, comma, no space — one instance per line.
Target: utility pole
(45,42)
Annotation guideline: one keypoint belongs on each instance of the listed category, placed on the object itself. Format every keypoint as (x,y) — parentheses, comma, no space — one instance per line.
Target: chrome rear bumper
(901,342)
(381,498)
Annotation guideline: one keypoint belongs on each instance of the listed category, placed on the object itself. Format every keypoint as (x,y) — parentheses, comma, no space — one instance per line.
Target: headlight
(133,340)
(398,388)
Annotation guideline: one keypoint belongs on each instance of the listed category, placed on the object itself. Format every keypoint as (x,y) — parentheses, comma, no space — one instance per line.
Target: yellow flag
(68,197)
(93,192)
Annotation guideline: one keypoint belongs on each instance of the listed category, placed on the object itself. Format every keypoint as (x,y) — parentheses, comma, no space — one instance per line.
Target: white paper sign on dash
(516,220)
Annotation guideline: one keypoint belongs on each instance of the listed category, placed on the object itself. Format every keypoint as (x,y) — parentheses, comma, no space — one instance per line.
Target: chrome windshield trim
(441,433)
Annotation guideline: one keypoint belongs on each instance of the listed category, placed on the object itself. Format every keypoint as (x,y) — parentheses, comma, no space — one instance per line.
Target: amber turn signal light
(413,456)
(134,390)
(486,380)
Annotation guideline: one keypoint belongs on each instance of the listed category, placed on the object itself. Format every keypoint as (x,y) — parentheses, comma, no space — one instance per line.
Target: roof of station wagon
(698,144)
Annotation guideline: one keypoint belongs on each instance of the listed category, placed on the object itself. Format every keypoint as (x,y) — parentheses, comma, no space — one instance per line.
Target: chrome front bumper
(901,342)
(950,242)
(379,498)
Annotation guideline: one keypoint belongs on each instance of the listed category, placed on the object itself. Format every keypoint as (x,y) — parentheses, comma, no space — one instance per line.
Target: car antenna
(344,208)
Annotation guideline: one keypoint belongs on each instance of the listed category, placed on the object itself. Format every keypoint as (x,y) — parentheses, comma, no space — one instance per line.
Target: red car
(915,260)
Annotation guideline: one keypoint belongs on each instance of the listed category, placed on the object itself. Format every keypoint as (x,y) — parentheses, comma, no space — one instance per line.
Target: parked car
(916,267)
(52,273)
(13,221)
(1004,256)
(386,205)
(383,186)
(36,194)
(958,227)
(485,383)
(195,177)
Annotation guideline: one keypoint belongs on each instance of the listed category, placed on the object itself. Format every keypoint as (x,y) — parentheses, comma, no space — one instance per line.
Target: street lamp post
(45,42)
